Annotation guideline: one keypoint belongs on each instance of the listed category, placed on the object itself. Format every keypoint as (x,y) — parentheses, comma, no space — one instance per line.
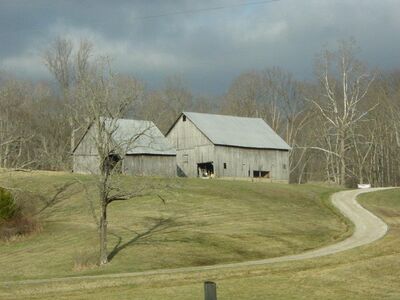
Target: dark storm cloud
(209,48)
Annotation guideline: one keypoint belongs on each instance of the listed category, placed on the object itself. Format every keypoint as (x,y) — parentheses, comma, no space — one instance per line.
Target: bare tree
(345,84)
(70,68)
(205,104)
(82,58)
(108,98)
(273,95)
(15,136)
(57,59)
(172,99)
(33,131)
(244,95)
(382,164)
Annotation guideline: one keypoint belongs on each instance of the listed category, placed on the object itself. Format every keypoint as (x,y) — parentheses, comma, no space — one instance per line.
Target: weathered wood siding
(188,159)
(86,164)
(85,158)
(87,146)
(149,165)
(241,162)
(192,147)
(185,135)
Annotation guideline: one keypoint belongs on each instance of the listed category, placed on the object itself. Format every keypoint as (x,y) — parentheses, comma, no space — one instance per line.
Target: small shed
(228,146)
(147,151)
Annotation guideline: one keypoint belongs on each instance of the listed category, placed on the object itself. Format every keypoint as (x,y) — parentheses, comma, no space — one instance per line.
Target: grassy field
(368,272)
(203,222)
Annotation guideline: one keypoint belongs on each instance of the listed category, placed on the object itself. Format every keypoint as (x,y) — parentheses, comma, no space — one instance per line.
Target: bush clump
(14,219)
(351,182)
(8,208)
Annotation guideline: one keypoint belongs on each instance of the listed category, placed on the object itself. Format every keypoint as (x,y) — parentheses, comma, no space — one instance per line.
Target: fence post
(210,290)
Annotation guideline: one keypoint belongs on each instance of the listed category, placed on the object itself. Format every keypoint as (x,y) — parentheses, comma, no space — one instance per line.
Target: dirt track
(368,228)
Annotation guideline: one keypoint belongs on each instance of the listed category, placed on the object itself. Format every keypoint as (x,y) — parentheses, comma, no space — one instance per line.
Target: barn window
(184,118)
(224,165)
(261,174)
(185,158)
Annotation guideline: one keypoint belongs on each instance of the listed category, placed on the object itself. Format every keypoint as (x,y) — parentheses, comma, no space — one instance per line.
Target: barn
(211,145)
(147,151)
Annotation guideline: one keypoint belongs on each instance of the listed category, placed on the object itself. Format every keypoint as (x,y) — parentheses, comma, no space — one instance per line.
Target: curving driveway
(368,228)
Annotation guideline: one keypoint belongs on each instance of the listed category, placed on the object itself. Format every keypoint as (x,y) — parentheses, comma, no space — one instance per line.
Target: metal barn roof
(141,137)
(237,131)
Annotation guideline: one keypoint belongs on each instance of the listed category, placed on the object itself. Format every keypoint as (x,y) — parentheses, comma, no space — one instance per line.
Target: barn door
(205,169)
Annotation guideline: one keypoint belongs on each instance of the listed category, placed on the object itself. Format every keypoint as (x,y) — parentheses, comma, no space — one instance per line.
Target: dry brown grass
(18,227)
(85,260)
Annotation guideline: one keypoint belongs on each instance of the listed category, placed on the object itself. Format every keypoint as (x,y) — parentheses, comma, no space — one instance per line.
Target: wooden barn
(147,151)
(210,145)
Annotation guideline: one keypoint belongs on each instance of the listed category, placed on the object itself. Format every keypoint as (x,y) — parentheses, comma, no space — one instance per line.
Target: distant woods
(343,125)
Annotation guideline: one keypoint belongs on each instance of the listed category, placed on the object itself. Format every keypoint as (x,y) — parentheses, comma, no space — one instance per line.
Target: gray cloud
(208,48)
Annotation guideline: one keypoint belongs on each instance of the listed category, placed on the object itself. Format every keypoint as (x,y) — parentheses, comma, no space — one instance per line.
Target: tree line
(343,125)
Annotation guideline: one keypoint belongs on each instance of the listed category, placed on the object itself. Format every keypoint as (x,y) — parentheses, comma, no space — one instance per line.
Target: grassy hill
(202,222)
(368,272)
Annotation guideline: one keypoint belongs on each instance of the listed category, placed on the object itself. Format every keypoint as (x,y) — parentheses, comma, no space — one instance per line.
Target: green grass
(368,272)
(203,222)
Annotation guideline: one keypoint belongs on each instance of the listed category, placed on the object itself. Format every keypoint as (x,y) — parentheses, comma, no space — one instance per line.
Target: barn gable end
(193,146)
(228,146)
(145,148)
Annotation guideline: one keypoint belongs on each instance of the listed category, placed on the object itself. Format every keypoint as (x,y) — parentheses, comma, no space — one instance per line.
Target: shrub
(351,182)
(8,208)
(18,226)
(15,218)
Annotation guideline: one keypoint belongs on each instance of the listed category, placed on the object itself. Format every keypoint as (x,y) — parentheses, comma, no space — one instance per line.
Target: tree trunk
(72,143)
(342,160)
(7,153)
(103,235)
(360,174)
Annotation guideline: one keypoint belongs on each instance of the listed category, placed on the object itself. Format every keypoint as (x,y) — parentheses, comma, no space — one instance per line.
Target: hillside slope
(203,222)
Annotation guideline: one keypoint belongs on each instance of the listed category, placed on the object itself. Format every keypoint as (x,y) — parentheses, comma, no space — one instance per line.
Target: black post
(210,290)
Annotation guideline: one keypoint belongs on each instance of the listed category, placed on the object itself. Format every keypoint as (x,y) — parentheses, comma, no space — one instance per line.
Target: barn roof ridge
(221,115)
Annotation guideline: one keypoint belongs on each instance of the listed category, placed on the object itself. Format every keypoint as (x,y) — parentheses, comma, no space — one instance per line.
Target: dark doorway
(261,174)
(205,169)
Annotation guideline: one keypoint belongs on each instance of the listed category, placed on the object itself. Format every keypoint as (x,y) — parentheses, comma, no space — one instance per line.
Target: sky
(207,43)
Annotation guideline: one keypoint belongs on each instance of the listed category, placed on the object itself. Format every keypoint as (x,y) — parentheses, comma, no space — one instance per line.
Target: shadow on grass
(160,225)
